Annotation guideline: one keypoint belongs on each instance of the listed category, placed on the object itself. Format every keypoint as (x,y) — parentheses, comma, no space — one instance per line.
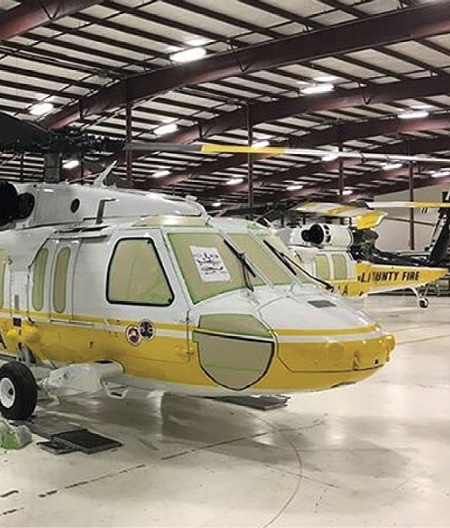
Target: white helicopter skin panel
(168,297)
(65,203)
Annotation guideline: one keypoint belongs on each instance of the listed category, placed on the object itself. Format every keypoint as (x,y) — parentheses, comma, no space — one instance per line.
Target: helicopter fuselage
(180,301)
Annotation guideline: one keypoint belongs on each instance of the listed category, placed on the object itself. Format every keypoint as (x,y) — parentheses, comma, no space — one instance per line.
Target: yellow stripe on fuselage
(175,360)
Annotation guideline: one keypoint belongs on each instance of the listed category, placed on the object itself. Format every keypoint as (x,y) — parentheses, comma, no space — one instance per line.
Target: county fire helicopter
(104,288)
(346,255)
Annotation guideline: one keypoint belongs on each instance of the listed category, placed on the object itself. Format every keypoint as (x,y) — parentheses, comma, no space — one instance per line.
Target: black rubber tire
(26,392)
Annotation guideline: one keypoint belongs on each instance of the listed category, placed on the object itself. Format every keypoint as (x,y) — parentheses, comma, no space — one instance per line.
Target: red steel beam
(377,30)
(37,13)
(264,112)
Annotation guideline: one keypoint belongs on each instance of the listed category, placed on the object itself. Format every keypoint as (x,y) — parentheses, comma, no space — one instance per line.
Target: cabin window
(322,267)
(340,267)
(136,275)
(38,288)
(2,278)
(60,280)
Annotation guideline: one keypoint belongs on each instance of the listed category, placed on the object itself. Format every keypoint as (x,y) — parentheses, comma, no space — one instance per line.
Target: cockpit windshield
(212,263)
(209,266)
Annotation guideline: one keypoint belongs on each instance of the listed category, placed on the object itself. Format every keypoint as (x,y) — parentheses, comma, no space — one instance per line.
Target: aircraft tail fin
(439,250)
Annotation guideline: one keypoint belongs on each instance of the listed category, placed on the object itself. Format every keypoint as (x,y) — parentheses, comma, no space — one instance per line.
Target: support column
(129,138)
(341,175)
(251,198)
(412,241)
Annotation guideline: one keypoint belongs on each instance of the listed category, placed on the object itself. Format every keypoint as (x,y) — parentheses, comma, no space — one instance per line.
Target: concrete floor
(373,454)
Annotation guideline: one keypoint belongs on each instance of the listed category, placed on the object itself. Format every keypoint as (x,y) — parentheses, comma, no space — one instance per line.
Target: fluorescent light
(413,114)
(441,174)
(326,78)
(391,166)
(347,192)
(295,187)
(160,174)
(189,55)
(261,144)
(331,157)
(173,49)
(40,109)
(235,181)
(217,204)
(166,129)
(71,164)
(198,41)
(317,88)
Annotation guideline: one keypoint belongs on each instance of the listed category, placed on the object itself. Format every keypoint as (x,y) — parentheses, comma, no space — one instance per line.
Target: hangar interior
(328,78)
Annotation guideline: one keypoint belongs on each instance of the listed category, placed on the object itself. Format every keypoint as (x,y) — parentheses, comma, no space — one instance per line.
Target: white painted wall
(395,235)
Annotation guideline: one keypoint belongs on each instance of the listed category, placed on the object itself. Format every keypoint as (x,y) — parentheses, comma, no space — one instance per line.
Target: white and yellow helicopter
(108,288)
(346,255)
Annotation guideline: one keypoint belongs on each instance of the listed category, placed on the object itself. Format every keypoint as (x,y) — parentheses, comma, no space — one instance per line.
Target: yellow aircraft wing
(362,217)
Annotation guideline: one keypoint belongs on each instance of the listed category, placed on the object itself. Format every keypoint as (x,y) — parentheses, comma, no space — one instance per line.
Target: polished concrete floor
(373,454)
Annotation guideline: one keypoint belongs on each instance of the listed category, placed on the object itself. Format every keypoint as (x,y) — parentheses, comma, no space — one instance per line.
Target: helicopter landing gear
(18,391)
(422,300)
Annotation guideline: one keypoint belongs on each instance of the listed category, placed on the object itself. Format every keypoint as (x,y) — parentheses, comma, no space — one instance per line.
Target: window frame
(158,258)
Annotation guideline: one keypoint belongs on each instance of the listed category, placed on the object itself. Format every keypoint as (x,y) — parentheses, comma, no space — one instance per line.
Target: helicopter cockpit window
(136,275)
(340,267)
(266,262)
(39,267)
(209,265)
(60,280)
(288,259)
(322,267)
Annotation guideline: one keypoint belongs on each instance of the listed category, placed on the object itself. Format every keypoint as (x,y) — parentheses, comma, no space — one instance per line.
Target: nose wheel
(18,391)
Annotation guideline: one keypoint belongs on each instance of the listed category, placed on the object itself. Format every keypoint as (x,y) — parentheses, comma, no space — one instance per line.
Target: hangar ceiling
(374,60)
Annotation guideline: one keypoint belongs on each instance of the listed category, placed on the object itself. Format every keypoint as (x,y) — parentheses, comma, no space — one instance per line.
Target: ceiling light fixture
(441,174)
(235,181)
(347,192)
(261,144)
(198,41)
(217,204)
(41,109)
(160,174)
(320,88)
(295,187)
(188,55)
(165,129)
(326,78)
(413,114)
(71,164)
(391,166)
(330,157)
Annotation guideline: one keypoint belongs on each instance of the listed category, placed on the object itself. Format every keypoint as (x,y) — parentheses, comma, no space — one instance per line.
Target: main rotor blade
(19,134)
(408,205)
(209,148)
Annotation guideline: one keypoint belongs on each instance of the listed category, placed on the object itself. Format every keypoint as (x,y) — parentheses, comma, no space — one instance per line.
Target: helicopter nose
(327,337)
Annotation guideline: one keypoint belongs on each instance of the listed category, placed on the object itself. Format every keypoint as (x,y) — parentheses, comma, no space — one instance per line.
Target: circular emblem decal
(147,329)
(133,335)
